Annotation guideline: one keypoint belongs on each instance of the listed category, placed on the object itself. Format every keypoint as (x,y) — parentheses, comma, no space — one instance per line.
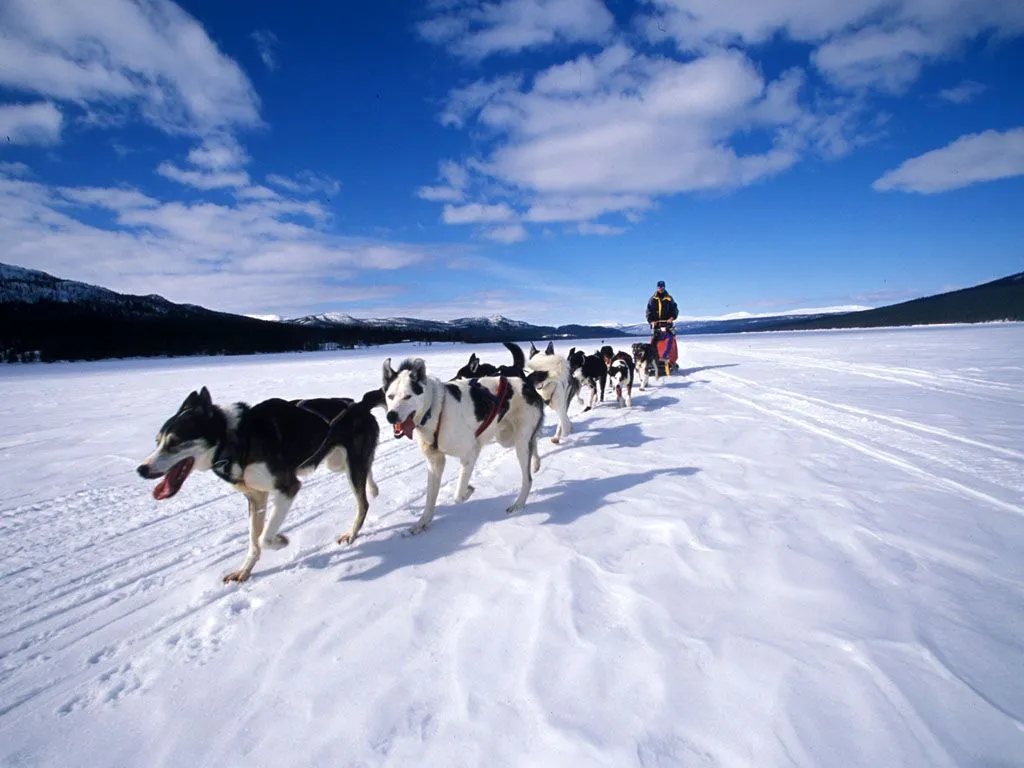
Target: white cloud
(604,230)
(203,179)
(584,207)
(306,182)
(475,29)
(477,213)
(14,169)
(464,102)
(439,194)
(37,123)
(632,128)
(266,43)
(508,234)
(967,91)
(696,24)
(152,55)
(583,74)
(887,59)
(112,198)
(456,179)
(217,153)
(257,192)
(971,159)
(262,256)
(863,43)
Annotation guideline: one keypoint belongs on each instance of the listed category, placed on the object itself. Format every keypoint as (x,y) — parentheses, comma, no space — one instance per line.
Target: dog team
(263,450)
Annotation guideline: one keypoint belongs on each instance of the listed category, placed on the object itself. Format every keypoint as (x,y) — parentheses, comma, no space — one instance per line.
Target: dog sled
(667,348)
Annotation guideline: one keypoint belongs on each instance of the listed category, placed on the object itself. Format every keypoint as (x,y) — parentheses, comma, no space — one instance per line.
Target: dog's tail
(337,428)
(518,357)
(372,399)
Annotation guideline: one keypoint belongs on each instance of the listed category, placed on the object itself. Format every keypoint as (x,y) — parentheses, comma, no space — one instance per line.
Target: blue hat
(661,283)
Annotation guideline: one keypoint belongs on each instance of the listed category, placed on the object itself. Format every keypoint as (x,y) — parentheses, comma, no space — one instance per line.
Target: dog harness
(440,418)
(499,401)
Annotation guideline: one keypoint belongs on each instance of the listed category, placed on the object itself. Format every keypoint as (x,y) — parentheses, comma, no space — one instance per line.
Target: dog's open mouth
(171,483)
(405,428)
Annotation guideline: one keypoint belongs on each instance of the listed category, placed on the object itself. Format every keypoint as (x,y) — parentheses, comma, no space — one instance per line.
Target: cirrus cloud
(475,29)
(969,160)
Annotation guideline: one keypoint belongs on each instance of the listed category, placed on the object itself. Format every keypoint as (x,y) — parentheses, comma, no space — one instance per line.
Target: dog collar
(426,417)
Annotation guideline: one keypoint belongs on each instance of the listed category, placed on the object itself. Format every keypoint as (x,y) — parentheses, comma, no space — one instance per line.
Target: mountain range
(43,317)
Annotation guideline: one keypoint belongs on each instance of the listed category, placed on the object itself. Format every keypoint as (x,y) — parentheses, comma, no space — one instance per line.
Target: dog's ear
(533,351)
(189,402)
(474,363)
(418,370)
(551,348)
(572,351)
(388,372)
(205,401)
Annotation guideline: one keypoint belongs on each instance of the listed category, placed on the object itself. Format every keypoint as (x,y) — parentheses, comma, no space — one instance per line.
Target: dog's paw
(556,440)
(417,529)
(346,538)
(461,497)
(239,576)
(514,508)
(280,541)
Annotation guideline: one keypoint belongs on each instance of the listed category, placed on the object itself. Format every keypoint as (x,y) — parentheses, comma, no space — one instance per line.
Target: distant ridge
(998,300)
(43,317)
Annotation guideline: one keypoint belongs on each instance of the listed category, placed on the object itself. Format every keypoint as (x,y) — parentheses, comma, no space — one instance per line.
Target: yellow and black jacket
(662,308)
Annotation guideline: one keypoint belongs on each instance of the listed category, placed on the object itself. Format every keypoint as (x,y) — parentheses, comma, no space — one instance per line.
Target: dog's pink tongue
(405,428)
(171,483)
(162,489)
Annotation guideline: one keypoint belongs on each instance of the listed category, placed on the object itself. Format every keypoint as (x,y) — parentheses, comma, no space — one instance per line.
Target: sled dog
(474,369)
(459,418)
(557,389)
(262,450)
(589,371)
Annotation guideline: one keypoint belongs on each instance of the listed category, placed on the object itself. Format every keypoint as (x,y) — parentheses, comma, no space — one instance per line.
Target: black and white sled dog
(620,374)
(645,358)
(474,369)
(461,417)
(557,388)
(262,451)
(589,371)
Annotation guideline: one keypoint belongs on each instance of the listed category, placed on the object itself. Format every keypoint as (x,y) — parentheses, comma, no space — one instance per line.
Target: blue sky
(544,159)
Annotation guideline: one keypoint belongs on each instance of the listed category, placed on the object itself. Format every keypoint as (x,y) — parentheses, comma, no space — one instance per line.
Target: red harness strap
(499,400)
(437,432)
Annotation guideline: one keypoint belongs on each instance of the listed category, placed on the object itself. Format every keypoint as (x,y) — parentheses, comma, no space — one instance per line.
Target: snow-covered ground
(807,549)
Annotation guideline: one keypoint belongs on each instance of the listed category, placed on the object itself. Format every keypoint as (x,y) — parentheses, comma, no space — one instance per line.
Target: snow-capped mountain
(48,318)
(493,328)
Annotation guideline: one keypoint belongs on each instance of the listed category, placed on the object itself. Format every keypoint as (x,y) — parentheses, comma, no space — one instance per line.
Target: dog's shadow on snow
(606,435)
(455,524)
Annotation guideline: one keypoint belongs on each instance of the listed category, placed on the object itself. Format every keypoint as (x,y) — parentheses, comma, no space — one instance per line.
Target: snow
(803,550)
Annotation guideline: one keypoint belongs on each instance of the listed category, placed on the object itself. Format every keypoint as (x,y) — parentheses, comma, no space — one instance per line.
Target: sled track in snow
(945,383)
(984,472)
